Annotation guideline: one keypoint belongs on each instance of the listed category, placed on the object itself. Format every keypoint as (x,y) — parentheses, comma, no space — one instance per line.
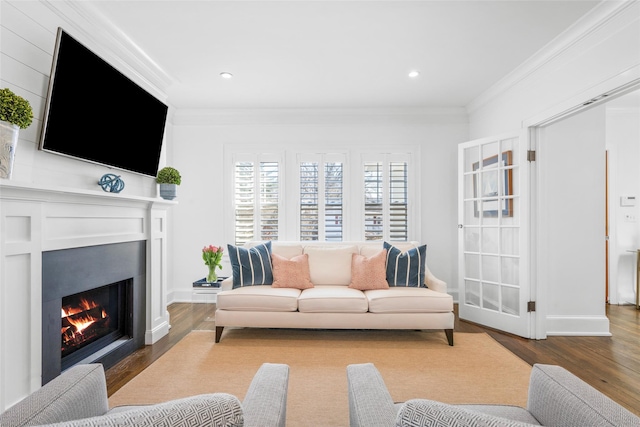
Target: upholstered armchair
(556,398)
(78,397)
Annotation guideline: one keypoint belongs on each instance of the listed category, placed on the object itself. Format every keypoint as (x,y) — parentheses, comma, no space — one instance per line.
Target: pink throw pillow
(291,273)
(369,273)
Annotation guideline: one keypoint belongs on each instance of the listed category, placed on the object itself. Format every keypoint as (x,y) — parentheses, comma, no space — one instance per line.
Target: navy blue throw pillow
(406,269)
(251,266)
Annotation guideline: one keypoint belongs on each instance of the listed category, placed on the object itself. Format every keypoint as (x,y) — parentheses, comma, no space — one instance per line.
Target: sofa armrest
(227,284)
(426,413)
(79,392)
(218,409)
(370,404)
(557,397)
(265,403)
(433,282)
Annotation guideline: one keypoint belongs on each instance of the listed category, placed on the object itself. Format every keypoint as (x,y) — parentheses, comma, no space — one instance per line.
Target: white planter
(8,143)
(168,191)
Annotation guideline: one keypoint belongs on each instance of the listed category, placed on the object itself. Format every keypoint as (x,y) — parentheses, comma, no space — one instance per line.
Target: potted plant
(169,178)
(15,114)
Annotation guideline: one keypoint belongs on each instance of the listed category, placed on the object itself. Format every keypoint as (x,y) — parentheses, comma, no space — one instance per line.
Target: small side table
(206,292)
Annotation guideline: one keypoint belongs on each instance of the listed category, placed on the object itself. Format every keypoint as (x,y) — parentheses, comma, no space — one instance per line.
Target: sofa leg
(449,333)
(219,332)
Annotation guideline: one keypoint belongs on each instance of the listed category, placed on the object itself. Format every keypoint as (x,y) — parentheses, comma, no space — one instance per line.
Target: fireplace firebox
(94,319)
(93,305)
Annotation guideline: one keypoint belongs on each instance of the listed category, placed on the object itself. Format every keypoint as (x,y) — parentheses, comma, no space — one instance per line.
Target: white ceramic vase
(8,143)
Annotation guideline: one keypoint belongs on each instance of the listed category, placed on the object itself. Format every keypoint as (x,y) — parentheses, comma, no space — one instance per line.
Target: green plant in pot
(15,114)
(169,178)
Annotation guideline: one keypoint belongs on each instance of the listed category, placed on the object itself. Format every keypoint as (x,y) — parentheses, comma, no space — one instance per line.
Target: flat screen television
(95,113)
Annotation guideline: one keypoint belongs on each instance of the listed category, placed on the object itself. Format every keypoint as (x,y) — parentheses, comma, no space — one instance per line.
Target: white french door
(493,229)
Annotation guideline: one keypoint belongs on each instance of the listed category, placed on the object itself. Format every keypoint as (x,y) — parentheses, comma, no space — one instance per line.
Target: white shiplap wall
(27,41)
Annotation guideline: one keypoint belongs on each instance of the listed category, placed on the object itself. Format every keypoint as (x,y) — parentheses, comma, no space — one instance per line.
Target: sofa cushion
(286,250)
(406,268)
(291,273)
(332,299)
(251,266)
(330,265)
(369,272)
(408,300)
(258,298)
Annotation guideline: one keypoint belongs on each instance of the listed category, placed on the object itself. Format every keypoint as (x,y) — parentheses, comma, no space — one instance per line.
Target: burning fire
(84,320)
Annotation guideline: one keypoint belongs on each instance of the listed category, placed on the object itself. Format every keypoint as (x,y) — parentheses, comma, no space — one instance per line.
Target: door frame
(617,86)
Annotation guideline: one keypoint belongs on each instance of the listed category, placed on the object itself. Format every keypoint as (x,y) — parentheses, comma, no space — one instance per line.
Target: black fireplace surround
(70,271)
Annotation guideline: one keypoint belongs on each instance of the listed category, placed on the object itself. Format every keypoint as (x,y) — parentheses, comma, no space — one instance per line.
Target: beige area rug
(413,364)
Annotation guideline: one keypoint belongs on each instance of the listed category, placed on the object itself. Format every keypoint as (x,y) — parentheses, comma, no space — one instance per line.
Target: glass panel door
(492,251)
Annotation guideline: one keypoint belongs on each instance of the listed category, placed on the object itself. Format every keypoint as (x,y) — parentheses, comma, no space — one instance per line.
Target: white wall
(600,53)
(597,55)
(623,145)
(28,35)
(199,219)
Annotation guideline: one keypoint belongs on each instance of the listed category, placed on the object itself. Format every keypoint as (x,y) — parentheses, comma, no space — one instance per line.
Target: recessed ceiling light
(226,75)
(414,73)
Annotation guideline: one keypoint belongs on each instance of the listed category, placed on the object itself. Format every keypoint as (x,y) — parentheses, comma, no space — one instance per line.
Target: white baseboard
(182,295)
(578,326)
(153,335)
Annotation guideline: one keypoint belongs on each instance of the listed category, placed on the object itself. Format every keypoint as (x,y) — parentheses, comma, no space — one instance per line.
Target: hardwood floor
(610,364)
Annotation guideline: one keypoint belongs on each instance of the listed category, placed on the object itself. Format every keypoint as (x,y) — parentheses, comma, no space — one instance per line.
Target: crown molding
(111,43)
(601,15)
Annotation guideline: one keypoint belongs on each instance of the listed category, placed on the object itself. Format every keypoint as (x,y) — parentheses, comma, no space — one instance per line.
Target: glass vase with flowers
(212,256)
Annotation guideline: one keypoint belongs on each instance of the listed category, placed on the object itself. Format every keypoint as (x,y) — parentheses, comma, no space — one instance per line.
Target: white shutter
(398,201)
(333,201)
(269,200)
(244,202)
(256,202)
(386,199)
(373,201)
(309,183)
(321,197)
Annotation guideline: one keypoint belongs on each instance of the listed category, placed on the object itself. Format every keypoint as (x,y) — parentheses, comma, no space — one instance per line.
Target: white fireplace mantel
(35,219)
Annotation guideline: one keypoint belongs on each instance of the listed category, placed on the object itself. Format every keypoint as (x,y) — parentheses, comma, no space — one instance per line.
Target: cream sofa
(331,303)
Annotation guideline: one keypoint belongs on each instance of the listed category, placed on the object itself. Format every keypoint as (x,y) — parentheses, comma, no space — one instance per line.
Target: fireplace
(93,305)
(94,319)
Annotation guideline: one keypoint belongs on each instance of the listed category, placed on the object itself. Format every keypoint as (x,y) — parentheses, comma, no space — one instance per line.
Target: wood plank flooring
(610,364)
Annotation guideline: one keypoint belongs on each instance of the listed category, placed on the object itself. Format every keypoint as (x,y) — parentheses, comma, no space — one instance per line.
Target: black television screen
(95,113)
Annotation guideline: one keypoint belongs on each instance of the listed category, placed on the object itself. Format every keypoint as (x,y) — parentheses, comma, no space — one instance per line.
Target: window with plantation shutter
(309,201)
(321,200)
(386,213)
(339,195)
(333,206)
(373,201)
(398,212)
(269,200)
(256,212)
(244,201)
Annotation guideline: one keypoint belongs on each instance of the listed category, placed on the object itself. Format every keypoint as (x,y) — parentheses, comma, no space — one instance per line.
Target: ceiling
(337,54)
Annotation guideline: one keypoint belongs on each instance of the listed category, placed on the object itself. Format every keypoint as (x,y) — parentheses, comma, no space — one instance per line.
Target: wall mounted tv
(95,113)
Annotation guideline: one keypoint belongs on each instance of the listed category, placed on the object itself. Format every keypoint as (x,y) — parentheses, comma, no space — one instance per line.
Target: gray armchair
(78,397)
(556,397)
